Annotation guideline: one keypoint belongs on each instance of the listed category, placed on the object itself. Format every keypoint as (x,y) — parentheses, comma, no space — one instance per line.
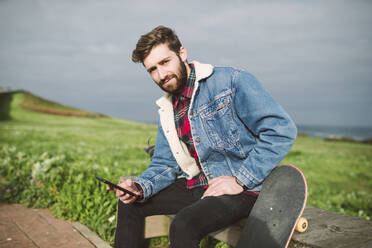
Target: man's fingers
(120,193)
(124,197)
(109,188)
(224,185)
(212,192)
(127,200)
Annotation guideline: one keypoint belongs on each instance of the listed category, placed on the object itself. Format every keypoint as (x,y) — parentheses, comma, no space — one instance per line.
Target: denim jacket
(238,130)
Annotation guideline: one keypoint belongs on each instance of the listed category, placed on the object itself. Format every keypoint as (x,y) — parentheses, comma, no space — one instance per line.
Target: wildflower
(36,169)
(44,155)
(7,190)
(6,161)
(20,155)
(111,219)
(48,161)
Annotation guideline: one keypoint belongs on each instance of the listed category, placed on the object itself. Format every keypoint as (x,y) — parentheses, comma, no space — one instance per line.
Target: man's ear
(183,54)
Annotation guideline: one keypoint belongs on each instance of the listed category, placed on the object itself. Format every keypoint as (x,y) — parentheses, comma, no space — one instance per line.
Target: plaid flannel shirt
(181,104)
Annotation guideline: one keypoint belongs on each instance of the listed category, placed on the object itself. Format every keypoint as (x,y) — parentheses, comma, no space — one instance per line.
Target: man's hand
(122,196)
(225,185)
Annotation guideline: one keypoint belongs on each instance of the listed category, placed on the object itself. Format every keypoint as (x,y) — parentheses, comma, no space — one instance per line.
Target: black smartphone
(116,186)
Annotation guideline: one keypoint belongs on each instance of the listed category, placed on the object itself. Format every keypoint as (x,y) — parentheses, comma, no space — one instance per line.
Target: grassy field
(50,161)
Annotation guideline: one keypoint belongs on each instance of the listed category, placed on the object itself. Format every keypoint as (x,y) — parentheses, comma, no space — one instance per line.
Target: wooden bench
(326,229)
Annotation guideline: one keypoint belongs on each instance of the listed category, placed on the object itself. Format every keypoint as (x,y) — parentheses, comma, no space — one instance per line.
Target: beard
(180,80)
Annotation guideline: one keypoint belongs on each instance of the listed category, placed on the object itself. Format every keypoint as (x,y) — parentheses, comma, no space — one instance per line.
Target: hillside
(32,102)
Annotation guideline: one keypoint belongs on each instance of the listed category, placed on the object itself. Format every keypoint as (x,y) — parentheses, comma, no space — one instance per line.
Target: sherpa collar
(202,71)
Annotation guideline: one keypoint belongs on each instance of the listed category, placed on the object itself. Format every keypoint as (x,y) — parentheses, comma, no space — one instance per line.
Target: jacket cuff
(142,183)
(139,188)
(247,179)
(245,188)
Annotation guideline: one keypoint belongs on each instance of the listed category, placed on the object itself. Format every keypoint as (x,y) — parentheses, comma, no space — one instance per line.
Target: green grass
(50,161)
(339,174)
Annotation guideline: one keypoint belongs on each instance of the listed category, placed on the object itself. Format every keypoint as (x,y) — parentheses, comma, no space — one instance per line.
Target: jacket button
(191,113)
(210,176)
(197,139)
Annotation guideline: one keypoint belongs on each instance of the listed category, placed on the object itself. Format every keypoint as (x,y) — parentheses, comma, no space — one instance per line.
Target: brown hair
(157,36)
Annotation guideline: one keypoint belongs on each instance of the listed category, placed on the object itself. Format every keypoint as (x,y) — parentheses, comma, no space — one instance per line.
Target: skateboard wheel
(302,225)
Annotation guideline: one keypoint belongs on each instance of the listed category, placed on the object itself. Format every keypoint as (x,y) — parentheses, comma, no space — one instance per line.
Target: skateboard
(277,211)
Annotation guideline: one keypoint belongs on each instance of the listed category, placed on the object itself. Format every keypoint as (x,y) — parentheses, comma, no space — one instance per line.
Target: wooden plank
(42,229)
(89,235)
(329,229)
(326,229)
(11,236)
(157,226)
(230,234)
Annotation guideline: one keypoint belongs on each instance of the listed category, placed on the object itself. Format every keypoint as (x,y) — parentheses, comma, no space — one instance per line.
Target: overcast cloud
(315,57)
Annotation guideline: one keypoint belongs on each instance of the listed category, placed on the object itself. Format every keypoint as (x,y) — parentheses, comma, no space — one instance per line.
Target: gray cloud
(314,57)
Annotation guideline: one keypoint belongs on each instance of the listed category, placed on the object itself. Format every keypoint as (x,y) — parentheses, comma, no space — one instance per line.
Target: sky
(314,57)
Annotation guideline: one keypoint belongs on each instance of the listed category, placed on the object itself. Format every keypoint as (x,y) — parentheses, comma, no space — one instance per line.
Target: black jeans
(195,217)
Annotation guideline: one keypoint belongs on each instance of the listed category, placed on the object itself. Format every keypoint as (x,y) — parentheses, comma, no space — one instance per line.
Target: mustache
(168,77)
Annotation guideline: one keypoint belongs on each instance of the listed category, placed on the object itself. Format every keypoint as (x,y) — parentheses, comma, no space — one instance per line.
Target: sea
(356,133)
(324,131)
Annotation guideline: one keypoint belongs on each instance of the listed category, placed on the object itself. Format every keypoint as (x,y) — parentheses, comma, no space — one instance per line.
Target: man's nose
(162,73)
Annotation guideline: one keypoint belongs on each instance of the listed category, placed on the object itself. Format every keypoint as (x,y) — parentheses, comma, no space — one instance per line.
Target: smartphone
(116,186)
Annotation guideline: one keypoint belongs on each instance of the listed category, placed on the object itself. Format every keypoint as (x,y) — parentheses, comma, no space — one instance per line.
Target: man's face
(166,68)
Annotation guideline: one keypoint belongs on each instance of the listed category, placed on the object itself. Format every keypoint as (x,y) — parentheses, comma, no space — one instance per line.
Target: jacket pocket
(219,124)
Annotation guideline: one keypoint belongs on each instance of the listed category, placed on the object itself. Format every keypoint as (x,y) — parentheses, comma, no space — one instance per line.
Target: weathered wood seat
(326,229)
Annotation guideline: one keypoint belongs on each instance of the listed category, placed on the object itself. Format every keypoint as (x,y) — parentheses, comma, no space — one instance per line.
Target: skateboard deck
(279,206)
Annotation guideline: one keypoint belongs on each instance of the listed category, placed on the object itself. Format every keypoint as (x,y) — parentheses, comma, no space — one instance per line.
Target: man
(220,135)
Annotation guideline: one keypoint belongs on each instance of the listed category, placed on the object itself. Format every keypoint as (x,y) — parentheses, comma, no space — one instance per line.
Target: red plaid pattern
(181,104)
